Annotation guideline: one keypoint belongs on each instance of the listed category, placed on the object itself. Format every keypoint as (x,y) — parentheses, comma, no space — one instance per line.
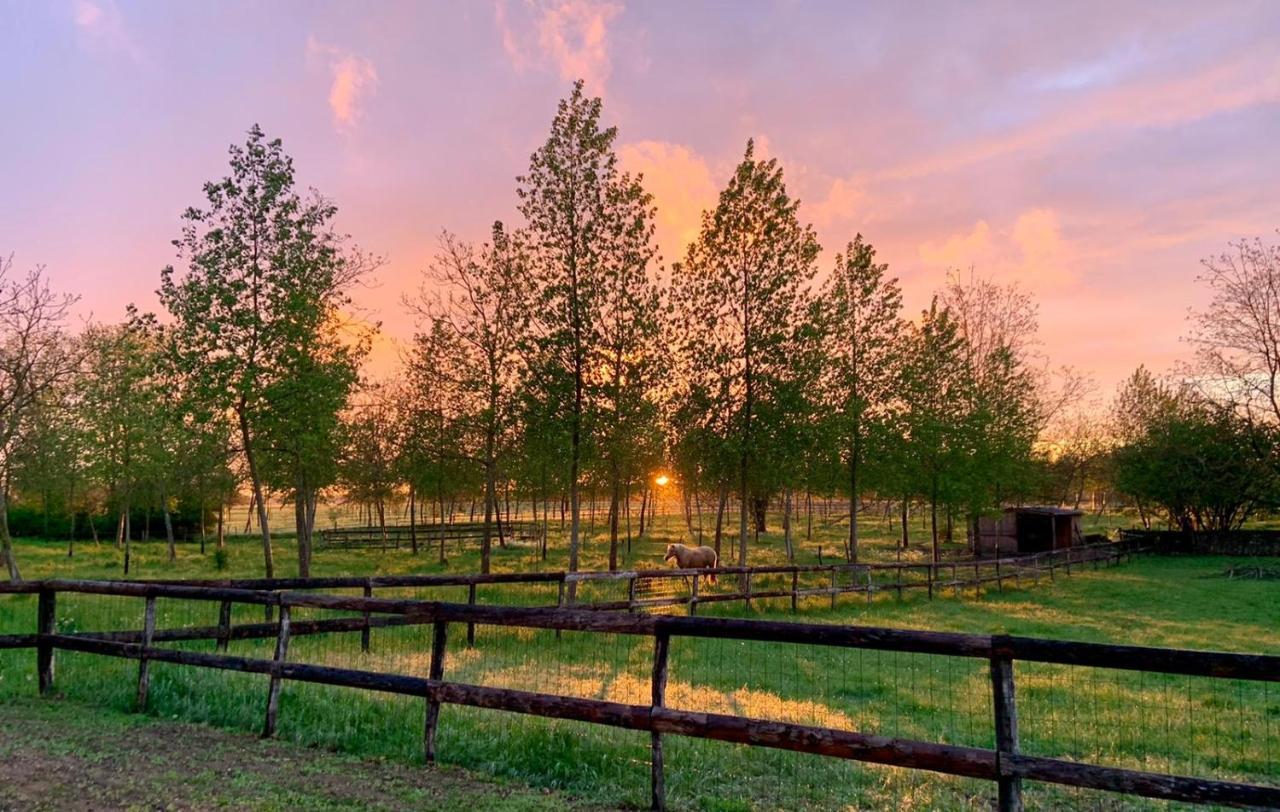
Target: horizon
(1095,159)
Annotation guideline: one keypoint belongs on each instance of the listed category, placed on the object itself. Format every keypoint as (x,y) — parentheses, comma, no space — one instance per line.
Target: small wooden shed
(1024,530)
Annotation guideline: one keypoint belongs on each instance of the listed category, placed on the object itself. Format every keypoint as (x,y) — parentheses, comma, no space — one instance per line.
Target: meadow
(1214,728)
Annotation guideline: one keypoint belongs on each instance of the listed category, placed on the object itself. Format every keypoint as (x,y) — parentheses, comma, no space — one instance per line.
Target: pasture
(1173,724)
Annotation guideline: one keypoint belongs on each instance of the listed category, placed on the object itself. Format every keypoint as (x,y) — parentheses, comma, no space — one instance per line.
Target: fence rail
(1003,764)
(650,589)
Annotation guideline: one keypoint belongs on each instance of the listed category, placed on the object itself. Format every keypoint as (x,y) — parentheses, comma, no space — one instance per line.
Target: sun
(661,480)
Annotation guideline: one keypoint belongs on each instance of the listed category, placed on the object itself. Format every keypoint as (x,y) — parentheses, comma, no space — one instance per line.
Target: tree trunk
(252,460)
(720,504)
(626,501)
(6,541)
(413,521)
(128,539)
(906,518)
(382,520)
(301,525)
(644,504)
(168,528)
(786,526)
(808,498)
(443,517)
(615,501)
(490,504)
(933,522)
(222,532)
(853,506)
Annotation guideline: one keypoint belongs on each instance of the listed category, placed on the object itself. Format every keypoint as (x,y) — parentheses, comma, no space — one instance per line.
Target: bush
(221,558)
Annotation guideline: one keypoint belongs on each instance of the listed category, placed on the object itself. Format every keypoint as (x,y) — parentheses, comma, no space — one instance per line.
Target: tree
(739,296)
(577,217)
(932,387)
(630,355)
(431,451)
(265,278)
(35,357)
(478,301)
(862,328)
(1208,467)
(368,456)
(1237,337)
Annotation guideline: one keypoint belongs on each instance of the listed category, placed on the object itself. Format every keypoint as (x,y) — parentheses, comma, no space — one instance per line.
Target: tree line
(563,355)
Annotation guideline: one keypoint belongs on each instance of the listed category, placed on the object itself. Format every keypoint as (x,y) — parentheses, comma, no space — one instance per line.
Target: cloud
(1246,80)
(1030,249)
(845,198)
(100,28)
(682,187)
(354,79)
(571,36)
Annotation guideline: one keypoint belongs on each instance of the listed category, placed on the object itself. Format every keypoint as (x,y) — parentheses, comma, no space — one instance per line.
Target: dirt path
(57,755)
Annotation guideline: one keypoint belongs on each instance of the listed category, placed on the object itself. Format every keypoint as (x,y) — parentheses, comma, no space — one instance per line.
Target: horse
(689,558)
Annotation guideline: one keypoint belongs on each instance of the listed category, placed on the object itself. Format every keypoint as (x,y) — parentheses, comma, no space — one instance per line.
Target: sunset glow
(1093,152)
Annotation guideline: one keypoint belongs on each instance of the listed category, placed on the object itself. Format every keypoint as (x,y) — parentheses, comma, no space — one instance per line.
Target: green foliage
(257,327)
(1209,469)
(740,303)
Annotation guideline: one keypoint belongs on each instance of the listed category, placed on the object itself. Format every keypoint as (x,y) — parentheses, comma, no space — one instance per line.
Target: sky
(1092,152)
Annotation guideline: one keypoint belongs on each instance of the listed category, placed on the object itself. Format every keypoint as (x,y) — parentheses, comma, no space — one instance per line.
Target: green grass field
(1214,728)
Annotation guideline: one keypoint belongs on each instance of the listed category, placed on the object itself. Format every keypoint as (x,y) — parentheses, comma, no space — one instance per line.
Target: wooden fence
(1004,764)
(635,590)
(396,536)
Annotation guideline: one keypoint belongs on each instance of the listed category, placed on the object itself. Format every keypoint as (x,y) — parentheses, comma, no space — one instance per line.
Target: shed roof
(1044,510)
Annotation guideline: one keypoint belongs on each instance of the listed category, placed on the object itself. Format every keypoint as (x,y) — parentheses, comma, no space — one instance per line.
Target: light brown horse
(693,558)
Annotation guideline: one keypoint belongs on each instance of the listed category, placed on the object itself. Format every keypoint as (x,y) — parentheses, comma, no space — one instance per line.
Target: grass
(1215,728)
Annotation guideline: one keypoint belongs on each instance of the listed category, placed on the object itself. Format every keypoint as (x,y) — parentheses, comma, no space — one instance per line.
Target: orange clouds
(353,78)
(571,35)
(682,187)
(1030,249)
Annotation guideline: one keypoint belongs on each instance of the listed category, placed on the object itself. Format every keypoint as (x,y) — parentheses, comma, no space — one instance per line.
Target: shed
(1024,530)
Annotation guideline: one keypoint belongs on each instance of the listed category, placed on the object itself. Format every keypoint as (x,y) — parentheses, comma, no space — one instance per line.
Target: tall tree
(575,224)
(1237,336)
(478,298)
(739,295)
(35,356)
(933,389)
(265,276)
(629,355)
(862,329)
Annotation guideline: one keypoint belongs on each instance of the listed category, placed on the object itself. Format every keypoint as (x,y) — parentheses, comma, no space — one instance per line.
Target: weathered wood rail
(798,582)
(1004,764)
(394,536)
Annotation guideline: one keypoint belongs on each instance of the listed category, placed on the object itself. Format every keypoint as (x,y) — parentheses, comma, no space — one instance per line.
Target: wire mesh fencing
(906,687)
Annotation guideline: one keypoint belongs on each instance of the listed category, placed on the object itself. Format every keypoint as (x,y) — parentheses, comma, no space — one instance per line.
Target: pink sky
(1092,151)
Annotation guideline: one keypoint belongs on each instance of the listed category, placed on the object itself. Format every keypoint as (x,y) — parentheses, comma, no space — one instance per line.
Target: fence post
(1009,791)
(46,623)
(144,665)
(795,589)
(748,589)
(999,582)
(273,691)
(869,586)
(631,593)
(835,587)
(693,597)
(661,645)
(438,642)
(471,627)
(930,575)
(224,626)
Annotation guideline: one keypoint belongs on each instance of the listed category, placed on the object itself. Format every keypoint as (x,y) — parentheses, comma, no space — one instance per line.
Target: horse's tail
(715,562)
